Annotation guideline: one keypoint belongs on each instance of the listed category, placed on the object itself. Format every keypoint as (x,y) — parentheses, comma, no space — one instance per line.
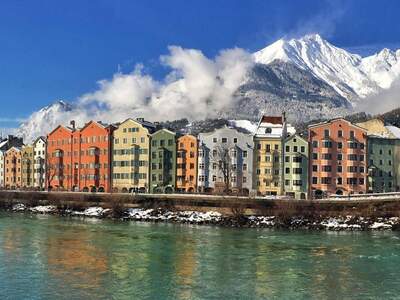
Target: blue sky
(59,49)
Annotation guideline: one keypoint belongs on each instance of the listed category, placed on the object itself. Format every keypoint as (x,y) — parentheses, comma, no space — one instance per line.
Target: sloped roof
(395,131)
(272,119)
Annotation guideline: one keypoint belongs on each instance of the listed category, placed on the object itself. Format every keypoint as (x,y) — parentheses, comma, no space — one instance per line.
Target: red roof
(272,120)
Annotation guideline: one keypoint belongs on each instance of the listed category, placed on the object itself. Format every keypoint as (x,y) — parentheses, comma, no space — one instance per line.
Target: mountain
(44,120)
(350,75)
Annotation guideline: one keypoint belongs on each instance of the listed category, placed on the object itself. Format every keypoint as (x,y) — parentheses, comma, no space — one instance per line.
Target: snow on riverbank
(95,211)
(216,218)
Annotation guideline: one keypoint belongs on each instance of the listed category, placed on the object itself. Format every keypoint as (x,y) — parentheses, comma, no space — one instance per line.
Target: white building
(39,153)
(225,161)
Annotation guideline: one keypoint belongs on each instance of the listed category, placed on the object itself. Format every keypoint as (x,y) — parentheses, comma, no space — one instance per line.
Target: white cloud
(195,88)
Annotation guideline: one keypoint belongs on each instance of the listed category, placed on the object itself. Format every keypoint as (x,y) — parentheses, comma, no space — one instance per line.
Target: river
(50,257)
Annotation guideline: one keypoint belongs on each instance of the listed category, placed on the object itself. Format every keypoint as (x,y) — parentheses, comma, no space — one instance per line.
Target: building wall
(240,147)
(328,173)
(131,157)
(80,160)
(13,174)
(27,165)
(268,165)
(296,167)
(61,156)
(381,165)
(95,158)
(186,168)
(397,164)
(163,161)
(2,168)
(39,152)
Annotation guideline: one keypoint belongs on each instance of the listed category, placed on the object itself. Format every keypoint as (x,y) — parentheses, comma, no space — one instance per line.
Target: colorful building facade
(13,168)
(381,165)
(80,159)
(338,158)
(268,154)
(27,166)
(295,167)
(163,162)
(39,153)
(131,156)
(186,164)
(225,161)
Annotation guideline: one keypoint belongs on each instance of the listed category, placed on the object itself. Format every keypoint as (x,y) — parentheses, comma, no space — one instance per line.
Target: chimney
(72,123)
(140,120)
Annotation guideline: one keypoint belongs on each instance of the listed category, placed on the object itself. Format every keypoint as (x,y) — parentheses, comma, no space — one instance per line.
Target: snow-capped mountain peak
(49,116)
(352,76)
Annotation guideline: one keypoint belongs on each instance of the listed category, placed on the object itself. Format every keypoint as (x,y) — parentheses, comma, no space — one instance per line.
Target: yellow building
(131,156)
(268,155)
(27,166)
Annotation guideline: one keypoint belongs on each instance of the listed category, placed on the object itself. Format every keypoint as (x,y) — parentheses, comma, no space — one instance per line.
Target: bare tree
(224,158)
(51,170)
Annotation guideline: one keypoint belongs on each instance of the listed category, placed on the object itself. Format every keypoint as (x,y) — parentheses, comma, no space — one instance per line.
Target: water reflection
(51,257)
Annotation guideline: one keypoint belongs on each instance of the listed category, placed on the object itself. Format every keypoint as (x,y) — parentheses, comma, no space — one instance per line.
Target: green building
(163,161)
(295,167)
(382,164)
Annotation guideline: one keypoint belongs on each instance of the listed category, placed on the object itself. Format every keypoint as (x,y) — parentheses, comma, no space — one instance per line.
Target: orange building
(337,158)
(186,165)
(80,159)
(13,168)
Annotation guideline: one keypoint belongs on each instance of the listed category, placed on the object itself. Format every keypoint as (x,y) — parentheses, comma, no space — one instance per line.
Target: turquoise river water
(50,257)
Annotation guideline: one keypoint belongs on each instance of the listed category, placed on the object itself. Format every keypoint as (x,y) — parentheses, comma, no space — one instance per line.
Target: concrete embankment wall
(386,205)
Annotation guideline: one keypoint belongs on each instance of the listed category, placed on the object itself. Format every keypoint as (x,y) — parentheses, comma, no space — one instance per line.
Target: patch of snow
(380,225)
(94,211)
(43,209)
(19,207)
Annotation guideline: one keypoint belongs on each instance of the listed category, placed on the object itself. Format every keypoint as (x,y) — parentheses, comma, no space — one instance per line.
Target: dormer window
(268,130)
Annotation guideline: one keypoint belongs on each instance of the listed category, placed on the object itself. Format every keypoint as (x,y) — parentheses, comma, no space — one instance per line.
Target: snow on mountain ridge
(352,76)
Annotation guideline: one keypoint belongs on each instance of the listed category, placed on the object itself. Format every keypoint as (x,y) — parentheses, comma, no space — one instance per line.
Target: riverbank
(359,213)
(337,223)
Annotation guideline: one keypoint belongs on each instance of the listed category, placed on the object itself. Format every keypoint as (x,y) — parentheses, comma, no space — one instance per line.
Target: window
(326,133)
(326,144)
(244,167)
(287,170)
(339,169)
(315,144)
(294,148)
(297,170)
(340,156)
(244,154)
(327,156)
(224,140)
(351,134)
(352,157)
(340,133)
(235,140)
(315,156)
(340,145)
(327,168)
(326,180)
(314,180)
(287,148)
(297,159)
(315,168)
(302,149)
